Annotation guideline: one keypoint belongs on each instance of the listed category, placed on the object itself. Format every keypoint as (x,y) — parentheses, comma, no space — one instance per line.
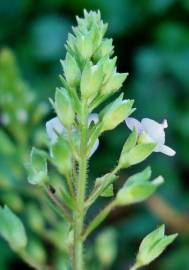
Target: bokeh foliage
(152,43)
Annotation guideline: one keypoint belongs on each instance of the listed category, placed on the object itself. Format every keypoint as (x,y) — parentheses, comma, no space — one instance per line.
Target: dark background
(151,39)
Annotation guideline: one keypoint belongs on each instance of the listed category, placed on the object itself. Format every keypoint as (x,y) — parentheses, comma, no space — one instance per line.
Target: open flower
(151,131)
(55,128)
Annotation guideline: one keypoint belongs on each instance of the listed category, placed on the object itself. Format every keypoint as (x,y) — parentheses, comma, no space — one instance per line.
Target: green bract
(138,188)
(91,80)
(153,245)
(71,70)
(114,113)
(12,229)
(37,168)
(61,156)
(63,107)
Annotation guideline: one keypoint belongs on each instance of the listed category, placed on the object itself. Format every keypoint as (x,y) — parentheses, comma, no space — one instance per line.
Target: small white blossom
(151,131)
(54,128)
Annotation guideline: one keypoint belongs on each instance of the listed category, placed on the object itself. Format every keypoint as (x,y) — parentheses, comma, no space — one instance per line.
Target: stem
(98,219)
(135,266)
(51,194)
(96,192)
(80,213)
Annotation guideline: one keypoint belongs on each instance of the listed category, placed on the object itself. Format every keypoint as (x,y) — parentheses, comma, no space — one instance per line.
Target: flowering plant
(89,78)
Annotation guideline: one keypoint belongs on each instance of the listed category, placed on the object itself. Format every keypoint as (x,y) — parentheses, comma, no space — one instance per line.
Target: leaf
(108,192)
(12,229)
(136,155)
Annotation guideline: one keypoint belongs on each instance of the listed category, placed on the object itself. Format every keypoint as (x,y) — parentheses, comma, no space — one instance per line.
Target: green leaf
(12,229)
(102,184)
(108,192)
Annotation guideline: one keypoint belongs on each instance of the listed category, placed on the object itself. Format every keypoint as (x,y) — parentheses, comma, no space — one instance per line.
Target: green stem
(81,184)
(96,192)
(135,267)
(58,203)
(98,219)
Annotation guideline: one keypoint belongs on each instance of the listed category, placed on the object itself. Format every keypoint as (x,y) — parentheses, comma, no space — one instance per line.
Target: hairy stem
(78,263)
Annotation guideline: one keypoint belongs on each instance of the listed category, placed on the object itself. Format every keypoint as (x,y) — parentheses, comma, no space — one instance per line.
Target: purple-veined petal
(154,130)
(94,148)
(165,150)
(54,127)
(134,123)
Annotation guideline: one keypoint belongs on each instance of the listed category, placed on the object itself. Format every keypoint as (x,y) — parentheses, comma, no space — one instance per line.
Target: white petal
(93,117)
(154,130)
(134,123)
(94,148)
(54,127)
(165,150)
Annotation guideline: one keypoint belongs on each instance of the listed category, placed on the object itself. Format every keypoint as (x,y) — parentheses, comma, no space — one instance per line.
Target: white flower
(55,128)
(151,131)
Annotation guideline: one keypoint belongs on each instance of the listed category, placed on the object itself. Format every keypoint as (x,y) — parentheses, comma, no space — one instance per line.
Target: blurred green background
(151,39)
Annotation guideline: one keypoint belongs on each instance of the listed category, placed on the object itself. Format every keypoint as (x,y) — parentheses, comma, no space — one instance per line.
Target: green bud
(89,34)
(12,229)
(108,67)
(71,70)
(136,155)
(114,113)
(106,247)
(91,80)
(114,83)
(37,167)
(36,250)
(63,107)
(138,188)
(153,245)
(105,50)
(61,156)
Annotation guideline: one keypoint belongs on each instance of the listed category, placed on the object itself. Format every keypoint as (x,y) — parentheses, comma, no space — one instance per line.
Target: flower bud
(61,156)
(12,229)
(108,67)
(105,49)
(138,188)
(63,107)
(71,70)
(114,83)
(153,245)
(37,168)
(91,80)
(114,113)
